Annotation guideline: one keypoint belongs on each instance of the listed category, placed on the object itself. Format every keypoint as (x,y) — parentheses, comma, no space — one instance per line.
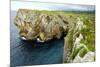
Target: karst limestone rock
(76,49)
(39,25)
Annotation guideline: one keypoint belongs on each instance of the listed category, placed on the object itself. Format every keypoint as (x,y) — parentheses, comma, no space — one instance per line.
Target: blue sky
(15,5)
(90,2)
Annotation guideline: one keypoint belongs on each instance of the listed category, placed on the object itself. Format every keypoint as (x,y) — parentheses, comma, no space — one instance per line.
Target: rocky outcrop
(79,43)
(88,57)
(77,48)
(39,25)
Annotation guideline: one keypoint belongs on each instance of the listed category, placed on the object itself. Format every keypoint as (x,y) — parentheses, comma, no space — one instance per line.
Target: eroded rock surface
(77,47)
(41,26)
(79,43)
(89,57)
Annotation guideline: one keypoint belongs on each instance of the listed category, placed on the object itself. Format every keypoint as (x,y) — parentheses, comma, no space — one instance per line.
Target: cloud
(15,5)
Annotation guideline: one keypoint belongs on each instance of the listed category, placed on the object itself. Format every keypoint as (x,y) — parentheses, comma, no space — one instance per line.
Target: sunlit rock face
(40,25)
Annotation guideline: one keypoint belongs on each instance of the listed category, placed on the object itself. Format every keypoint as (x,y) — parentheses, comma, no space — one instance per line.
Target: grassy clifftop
(80,41)
(79,28)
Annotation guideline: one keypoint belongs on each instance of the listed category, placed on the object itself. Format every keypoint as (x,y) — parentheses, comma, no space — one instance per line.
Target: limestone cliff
(79,43)
(40,25)
(79,28)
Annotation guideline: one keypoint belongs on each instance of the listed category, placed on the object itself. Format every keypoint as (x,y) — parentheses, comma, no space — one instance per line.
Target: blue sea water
(33,53)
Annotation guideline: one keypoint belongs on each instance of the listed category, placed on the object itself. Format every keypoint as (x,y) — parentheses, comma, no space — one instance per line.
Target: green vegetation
(88,33)
(79,28)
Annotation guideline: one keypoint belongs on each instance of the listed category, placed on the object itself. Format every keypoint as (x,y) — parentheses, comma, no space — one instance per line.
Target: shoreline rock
(37,25)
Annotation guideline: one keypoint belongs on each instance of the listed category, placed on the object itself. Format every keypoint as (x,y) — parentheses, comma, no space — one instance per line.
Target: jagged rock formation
(79,42)
(77,47)
(88,57)
(41,26)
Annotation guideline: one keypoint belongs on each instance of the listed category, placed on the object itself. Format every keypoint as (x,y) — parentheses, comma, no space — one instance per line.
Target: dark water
(33,53)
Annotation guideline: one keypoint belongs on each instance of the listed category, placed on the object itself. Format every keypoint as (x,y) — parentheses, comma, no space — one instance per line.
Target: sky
(89,2)
(15,5)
